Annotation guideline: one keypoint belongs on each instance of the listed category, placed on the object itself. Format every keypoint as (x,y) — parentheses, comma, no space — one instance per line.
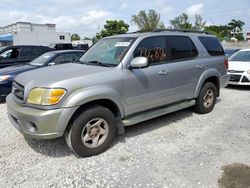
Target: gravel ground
(182,149)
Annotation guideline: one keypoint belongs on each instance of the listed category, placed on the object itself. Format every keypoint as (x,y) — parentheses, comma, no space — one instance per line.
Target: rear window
(212,45)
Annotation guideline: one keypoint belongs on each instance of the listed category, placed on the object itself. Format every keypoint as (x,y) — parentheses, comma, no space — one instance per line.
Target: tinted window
(212,45)
(32,51)
(154,49)
(241,56)
(180,47)
(12,53)
(67,58)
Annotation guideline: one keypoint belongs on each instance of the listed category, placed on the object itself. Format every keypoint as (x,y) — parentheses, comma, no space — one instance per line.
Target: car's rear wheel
(206,99)
(91,132)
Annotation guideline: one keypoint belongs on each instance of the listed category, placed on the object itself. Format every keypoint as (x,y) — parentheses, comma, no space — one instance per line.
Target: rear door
(184,67)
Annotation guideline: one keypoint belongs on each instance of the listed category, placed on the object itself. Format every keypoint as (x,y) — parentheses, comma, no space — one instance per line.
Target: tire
(206,99)
(91,132)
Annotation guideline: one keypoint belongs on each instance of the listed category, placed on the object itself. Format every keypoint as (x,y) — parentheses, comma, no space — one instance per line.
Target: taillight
(226,63)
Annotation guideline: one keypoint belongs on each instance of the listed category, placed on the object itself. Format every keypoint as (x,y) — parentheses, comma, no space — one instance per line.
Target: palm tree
(236,26)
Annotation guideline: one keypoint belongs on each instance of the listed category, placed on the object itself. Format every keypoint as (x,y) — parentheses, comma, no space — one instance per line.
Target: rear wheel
(206,99)
(92,132)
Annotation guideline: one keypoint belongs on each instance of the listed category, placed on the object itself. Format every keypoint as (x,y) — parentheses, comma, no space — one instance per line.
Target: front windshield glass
(241,56)
(109,51)
(42,60)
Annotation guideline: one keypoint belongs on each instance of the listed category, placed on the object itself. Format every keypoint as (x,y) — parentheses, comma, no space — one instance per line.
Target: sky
(86,17)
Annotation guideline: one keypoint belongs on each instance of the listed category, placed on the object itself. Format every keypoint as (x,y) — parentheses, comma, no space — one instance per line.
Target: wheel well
(216,82)
(102,102)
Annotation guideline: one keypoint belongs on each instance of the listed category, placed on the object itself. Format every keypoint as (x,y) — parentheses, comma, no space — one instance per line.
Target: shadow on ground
(58,148)
(53,148)
(157,123)
(235,176)
(237,87)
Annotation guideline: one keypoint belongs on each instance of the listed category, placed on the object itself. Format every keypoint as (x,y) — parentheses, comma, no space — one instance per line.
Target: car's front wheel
(92,131)
(206,99)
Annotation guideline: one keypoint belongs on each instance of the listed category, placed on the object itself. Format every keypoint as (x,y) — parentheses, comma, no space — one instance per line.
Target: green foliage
(221,31)
(147,22)
(75,37)
(236,28)
(199,23)
(182,22)
(112,27)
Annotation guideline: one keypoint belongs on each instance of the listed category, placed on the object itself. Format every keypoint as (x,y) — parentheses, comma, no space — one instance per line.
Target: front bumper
(36,123)
(239,79)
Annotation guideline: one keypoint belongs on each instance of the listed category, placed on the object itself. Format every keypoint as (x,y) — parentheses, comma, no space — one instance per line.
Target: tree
(236,28)
(147,22)
(113,27)
(221,31)
(182,22)
(75,37)
(199,23)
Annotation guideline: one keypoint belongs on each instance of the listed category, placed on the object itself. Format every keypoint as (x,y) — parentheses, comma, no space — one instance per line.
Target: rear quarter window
(212,45)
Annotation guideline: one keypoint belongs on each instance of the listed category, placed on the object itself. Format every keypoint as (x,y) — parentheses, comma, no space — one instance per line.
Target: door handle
(163,72)
(200,66)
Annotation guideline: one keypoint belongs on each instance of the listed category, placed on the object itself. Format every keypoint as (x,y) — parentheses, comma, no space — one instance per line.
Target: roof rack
(181,30)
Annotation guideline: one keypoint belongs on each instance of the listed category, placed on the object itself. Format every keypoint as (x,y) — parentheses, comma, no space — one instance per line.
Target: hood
(15,70)
(239,65)
(59,74)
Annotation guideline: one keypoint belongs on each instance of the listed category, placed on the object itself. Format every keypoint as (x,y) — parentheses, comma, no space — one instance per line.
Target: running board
(134,119)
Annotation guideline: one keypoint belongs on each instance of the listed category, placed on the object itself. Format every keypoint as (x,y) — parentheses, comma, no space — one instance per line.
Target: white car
(239,68)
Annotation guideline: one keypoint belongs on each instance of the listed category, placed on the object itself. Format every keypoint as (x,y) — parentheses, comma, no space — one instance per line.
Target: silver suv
(120,81)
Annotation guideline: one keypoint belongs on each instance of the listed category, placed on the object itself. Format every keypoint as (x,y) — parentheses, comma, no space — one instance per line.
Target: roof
(65,51)
(247,49)
(165,32)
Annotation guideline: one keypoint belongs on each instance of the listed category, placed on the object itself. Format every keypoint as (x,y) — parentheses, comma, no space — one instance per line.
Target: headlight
(5,77)
(248,72)
(45,96)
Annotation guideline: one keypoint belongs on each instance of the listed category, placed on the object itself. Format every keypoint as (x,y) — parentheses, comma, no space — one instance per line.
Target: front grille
(18,90)
(245,79)
(234,78)
(235,71)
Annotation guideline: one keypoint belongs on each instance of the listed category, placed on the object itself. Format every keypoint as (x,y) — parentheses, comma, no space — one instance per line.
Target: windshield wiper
(98,63)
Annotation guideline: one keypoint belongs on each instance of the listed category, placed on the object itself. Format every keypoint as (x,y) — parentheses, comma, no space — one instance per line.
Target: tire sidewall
(80,122)
(200,108)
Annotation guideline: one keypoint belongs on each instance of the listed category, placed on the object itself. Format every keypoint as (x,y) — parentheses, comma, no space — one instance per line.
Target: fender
(89,94)
(206,74)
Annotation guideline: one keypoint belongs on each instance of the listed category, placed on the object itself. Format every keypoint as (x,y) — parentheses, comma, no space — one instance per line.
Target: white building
(21,33)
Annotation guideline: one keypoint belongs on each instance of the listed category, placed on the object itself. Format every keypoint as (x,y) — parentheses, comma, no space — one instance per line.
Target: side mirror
(139,62)
(51,63)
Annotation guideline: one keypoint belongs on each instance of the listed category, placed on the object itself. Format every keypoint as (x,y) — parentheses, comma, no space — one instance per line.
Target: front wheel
(206,99)
(92,132)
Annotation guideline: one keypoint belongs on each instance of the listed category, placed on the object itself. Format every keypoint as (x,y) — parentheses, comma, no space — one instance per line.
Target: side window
(33,51)
(28,52)
(212,45)
(153,48)
(12,53)
(180,47)
(65,58)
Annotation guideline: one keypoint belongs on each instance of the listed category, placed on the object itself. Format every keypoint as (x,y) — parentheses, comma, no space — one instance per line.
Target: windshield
(109,51)
(241,56)
(42,60)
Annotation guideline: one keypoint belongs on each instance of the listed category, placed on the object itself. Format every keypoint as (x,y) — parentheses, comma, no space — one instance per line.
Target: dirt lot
(182,149)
